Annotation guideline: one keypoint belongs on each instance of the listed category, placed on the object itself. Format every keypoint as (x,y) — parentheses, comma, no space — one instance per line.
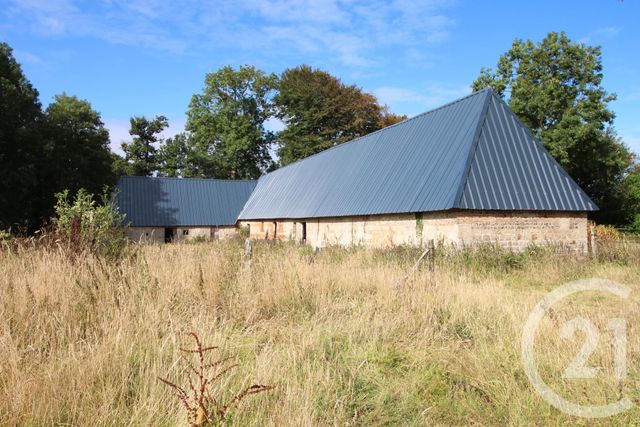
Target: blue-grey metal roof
(511,170)
(472,153)
(172,202)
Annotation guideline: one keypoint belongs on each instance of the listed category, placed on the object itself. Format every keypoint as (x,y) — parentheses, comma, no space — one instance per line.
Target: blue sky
(147,57)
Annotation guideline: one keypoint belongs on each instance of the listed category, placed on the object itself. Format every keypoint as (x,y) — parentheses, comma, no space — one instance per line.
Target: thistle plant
(201,405)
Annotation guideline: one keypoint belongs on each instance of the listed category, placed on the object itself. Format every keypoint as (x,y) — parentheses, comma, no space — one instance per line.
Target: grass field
(344,336)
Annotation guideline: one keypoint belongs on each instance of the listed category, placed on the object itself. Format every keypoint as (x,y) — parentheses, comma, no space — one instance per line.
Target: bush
(86,226)
(5,239)
(606,233)
(634,226)
(243,232)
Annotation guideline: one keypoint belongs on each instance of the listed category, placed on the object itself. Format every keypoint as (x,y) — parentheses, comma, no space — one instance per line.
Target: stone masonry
(156,234)
(511,230)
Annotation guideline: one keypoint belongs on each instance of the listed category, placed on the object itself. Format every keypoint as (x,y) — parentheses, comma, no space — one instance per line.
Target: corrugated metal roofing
(171,202)
(511,170)
(472,154)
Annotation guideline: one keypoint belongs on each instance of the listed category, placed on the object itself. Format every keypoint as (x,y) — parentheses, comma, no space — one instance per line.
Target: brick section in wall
(518,230)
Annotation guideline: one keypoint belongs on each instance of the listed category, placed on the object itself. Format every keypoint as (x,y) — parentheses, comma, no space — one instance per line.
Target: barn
(175,209)
(463,174)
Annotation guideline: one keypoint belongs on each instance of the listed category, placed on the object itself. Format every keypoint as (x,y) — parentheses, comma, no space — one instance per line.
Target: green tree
(174,157)
(320,111)
(141,152)
(77,150)
(387,118)
(555,88)
(120,166)
(631,198)
(226,122)
(21,147)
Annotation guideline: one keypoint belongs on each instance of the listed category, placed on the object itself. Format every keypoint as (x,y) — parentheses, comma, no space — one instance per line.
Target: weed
(202,407)
(84,226)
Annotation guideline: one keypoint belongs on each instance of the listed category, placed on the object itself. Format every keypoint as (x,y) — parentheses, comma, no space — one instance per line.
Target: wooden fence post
(247,253)
(591,240)
(247,248)
(431,246)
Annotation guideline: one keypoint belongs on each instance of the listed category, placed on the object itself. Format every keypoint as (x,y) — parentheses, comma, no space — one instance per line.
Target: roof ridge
(186,179)
(487,89)
(474,146)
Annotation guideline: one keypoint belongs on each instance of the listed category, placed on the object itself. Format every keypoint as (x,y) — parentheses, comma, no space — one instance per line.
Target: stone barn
(463,174)
(175,209)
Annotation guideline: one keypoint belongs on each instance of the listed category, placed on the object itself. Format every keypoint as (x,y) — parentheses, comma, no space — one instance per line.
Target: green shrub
(5,239)
(197,240)
(634,226)
(243,232)
(82,225)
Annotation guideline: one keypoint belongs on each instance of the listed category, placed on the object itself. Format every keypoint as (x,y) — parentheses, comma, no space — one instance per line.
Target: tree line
(66,145)
(554,86)
(44,151)
(226,136)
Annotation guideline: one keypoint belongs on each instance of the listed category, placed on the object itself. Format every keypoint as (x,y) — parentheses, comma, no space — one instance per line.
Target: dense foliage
(44,152)
(20,142)
(226,122)
(555,88)
(173,157)
(141,152)
(77,148)
(631,206)
(320,111)
(86,226)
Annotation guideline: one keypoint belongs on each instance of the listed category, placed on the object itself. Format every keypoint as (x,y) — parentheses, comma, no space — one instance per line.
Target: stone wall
(224,233)
(146,234)
(156,234)
(512,230)
(517,231)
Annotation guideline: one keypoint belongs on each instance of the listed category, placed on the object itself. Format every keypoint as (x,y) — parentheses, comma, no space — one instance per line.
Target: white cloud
(351,31)
(430,96)
(603,33)
(607,32)
(633,95)
(25,57)
(110,20)
(393,95)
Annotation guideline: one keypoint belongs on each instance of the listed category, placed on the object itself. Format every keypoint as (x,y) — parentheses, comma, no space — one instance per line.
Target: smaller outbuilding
(175,209)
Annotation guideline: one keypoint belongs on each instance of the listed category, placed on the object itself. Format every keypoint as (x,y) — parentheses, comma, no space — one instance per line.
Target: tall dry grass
(344,340)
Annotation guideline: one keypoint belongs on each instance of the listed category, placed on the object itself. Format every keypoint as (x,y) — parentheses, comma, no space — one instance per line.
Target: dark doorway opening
(169,234)
(304,232)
